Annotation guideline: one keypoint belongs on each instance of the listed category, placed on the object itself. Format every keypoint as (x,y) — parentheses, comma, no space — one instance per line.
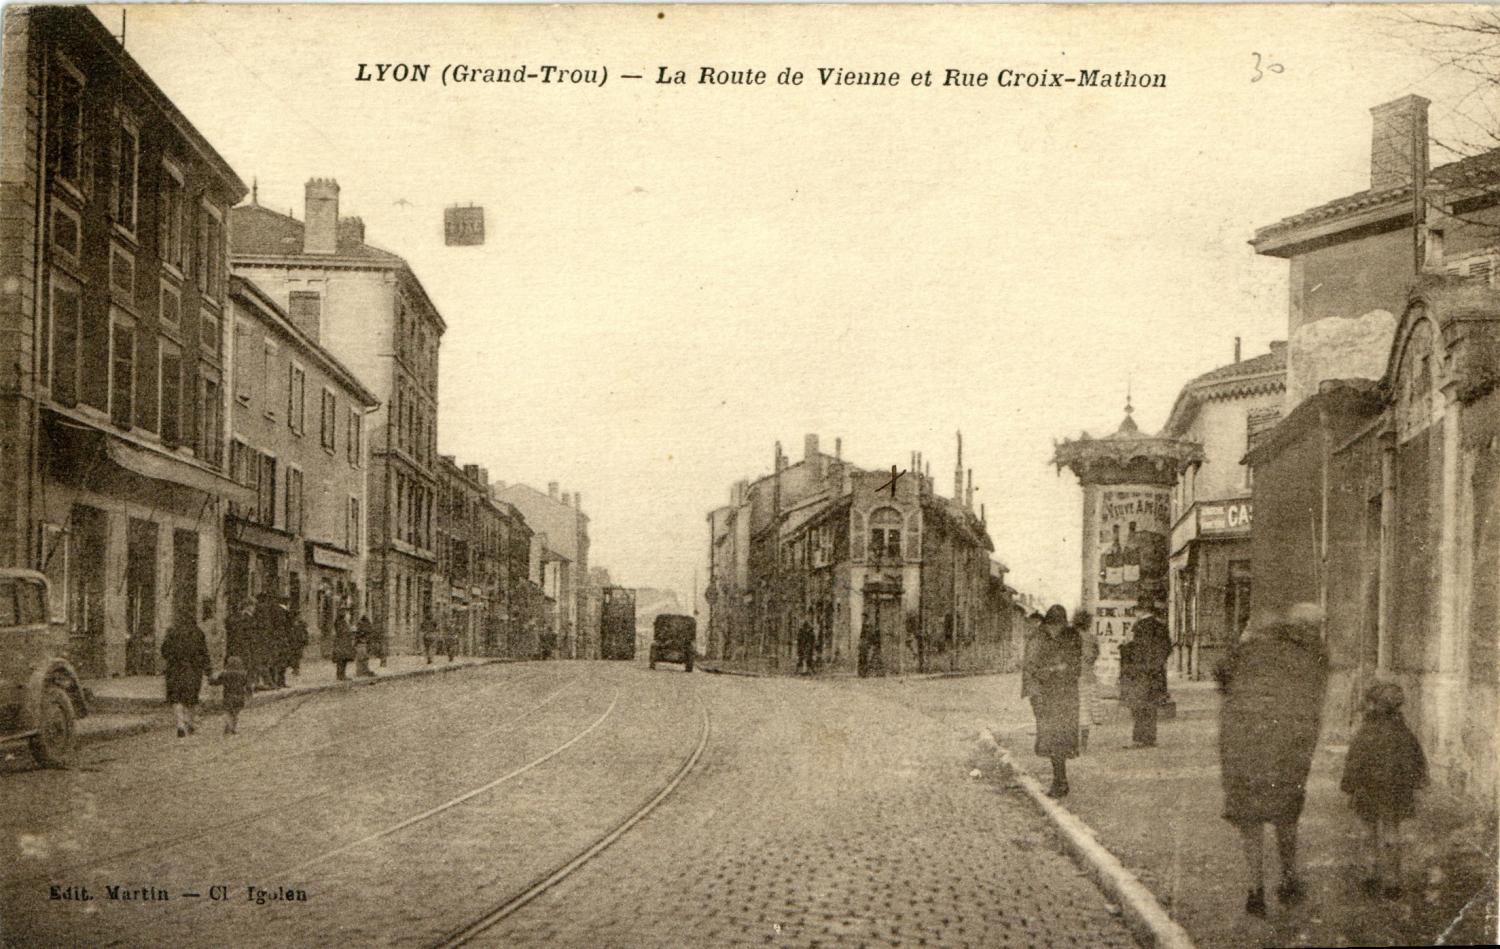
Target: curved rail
(446,805)
(239,820)
(493,916)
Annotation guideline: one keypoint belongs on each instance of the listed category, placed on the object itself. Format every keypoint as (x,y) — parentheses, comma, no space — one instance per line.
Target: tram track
(431,812)
(496,913)
(346,737)
(245,819)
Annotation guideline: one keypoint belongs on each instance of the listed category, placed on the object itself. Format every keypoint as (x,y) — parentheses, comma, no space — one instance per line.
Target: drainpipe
(33,541)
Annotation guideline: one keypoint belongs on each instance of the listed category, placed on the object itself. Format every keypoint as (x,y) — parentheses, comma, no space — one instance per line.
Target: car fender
(56,672)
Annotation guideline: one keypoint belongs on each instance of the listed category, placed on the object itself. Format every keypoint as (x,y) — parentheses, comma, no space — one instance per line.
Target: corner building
(890,580)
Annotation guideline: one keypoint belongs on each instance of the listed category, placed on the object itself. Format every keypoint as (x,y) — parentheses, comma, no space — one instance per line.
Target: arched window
(885,534)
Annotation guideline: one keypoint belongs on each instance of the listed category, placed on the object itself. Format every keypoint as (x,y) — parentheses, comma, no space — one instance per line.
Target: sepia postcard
(749,475)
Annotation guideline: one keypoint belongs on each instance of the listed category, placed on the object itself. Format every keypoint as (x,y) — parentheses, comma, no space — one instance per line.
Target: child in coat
(236,684)
(1384,769)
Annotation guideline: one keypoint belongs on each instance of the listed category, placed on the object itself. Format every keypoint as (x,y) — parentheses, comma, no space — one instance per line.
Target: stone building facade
(1377,495)
(297,419)
(367,307)
(113,316)
(889,576)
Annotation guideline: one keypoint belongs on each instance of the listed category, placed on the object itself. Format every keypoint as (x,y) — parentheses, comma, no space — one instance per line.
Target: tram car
(617,624)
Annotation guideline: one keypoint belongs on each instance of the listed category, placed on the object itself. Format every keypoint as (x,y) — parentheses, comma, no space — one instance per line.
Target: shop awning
(160,466)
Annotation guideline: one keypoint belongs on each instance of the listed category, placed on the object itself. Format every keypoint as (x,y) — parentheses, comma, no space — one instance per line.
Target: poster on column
(1134,527)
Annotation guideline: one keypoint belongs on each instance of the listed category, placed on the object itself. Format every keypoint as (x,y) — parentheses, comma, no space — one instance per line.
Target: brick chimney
(352,230)
(320,229)
(1398,143)
(552,490)
(809,447)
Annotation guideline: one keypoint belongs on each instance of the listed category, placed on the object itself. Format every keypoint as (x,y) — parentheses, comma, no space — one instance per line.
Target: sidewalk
(1158,811)
(128,705)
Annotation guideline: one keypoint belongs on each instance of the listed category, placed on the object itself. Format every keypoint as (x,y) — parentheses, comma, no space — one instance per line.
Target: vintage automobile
(40,695)
(672,640)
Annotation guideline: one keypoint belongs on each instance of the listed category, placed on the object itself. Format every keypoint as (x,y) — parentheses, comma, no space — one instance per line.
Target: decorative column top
(1126,456)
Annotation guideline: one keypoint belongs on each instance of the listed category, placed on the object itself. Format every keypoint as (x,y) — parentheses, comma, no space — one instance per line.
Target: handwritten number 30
(1261,73)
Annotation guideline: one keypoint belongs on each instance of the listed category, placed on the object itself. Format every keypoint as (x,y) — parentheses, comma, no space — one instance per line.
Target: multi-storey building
(367,307)
(1378,495)
(563,528)
(1210,575)
(889,576)
(297,419)
(473,560)
(113,313)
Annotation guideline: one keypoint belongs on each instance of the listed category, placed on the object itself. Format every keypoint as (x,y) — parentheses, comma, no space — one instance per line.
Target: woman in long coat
(184,653)
(1273,684)
(1053,668)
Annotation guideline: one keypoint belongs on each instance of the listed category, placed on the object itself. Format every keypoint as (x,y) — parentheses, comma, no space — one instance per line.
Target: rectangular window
(66,231)
(210,419)
(127,169)
(170,309)
(209,334)
(65,123)
(121,373)
(208,265)
(147,403)
(244,359)
(352,529)
(296,399)
(270,369)
(266,491)
(352,444)
(170,202)
(171,394)
(64,316)
(329,422)
(294,500)
(121,273)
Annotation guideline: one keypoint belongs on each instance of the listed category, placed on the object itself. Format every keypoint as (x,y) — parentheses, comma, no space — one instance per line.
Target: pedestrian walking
(1088,682)
(265,635)
(1054,665)
(184,653)
(235,682)
(450,643)
(343,651)
(804,648)
(297,644)
(279,651)
(1384,769)
(380,641)
(1273,683)
(1138,693)
(429,635)
(363,633)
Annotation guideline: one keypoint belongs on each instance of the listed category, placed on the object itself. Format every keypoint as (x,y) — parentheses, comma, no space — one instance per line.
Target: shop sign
(1225,517)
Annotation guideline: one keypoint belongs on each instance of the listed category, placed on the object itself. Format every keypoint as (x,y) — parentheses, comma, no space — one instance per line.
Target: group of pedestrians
(269,638)
(1273,682)
(263,641)
(355,642)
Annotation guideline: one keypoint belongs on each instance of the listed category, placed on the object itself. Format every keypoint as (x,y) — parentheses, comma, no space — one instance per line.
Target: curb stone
(1150,923)
(150,719)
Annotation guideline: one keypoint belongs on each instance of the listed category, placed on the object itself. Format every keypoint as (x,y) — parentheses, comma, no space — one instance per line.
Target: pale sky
(677,277)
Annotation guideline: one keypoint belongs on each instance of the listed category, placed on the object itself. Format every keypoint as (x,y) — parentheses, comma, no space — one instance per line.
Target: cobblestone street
(820,813)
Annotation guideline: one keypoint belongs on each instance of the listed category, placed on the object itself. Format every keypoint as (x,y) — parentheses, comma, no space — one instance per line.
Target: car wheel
(52,745)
